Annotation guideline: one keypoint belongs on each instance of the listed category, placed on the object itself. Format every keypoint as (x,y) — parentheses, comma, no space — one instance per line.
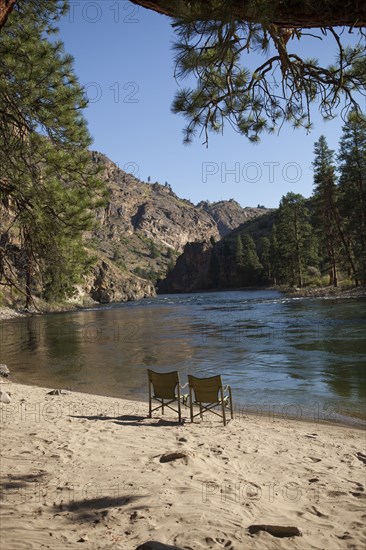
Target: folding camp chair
(165,389)
(209,393)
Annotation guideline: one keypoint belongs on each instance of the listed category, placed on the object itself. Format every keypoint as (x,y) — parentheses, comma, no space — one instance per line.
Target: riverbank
(79,468)
(326,292)
(42,308)
(9,313)
(307,292)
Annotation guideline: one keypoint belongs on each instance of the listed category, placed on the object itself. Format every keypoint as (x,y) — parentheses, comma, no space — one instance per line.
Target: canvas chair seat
(209,393)
(165,389)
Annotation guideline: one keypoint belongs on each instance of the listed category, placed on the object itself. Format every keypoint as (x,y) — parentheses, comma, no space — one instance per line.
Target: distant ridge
(229,214)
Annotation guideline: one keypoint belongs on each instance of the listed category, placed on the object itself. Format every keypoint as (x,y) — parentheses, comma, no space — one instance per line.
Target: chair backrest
(164,384)
(206,390)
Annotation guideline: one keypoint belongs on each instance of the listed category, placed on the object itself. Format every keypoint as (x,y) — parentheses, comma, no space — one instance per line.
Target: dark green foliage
(352,192)
(265,258)
(48,187)
(306,238)
(147,273)
(169,253)
(214,269)
(275,256)
(170,266)
(212,47)
(295,243)
(154,251)
(239,256)
(252,268)
(326,210)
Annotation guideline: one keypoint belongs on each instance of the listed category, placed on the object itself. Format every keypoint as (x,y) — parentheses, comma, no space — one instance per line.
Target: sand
(8,313)
(84,471)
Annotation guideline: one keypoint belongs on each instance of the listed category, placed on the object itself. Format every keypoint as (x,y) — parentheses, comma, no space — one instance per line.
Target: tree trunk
(333,277)
(5,8)
(28,282)
(346,247)
(290,13)
(298,255)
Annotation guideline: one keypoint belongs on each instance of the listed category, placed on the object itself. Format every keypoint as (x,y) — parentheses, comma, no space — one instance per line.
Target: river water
(293,357)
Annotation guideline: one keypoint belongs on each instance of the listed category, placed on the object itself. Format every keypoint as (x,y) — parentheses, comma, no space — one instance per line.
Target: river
(293,357)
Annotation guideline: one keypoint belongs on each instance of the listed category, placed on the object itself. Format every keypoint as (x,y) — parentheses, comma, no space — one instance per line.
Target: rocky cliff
(208,265)
(228,215)
(151,210)
(141,231)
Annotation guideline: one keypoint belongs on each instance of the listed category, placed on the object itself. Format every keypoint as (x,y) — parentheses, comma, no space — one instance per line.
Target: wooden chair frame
(209,393)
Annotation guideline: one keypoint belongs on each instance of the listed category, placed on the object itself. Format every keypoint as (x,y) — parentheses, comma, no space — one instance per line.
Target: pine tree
(48,187)
(252,268)
(325,201)
(274,255)
(281,87)
(214,269)
(239,260)
(295,242)
(265,257)
(352,191)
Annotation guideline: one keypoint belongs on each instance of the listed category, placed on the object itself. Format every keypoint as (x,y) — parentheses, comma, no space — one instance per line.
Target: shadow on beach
(132,420)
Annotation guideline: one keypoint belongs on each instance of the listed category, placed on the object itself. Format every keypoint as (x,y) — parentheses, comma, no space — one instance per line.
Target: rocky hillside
(154,210)
(207,266)
(228,215)
(145,227)
(142,230)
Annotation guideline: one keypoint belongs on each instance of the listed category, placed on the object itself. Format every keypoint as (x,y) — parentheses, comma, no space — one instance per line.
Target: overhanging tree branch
(5,8)
(283,13)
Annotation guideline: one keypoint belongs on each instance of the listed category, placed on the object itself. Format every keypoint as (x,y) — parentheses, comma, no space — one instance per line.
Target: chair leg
(223,406)
(150,406)
(162,406)
(179,409)
(231,404)
(201,415)
(191,403)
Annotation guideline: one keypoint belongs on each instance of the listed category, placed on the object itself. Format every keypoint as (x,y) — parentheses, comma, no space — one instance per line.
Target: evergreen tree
(281,87)
(239,260)
(252,268)
(214,269)
(48,187)
(325,201)
(274,255)
(352,192)
(265,257)
(295,242)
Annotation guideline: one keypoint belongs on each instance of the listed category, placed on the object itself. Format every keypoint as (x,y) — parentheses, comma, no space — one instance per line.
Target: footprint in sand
(225,543)
(358,495)
(335,494)
(317,512)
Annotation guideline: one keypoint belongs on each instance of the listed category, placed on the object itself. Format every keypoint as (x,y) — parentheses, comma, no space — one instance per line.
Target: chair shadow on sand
(130,420)
(165,392)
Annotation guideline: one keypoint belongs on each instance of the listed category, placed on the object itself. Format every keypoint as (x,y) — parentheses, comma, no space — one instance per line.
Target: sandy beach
(84,471)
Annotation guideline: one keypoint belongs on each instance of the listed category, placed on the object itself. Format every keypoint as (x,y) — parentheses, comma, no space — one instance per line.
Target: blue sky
(124,59)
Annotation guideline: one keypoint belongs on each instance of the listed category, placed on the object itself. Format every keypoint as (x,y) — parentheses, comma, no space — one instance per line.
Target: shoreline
(7,312)
(327,292)
(86,468)
(241,410)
